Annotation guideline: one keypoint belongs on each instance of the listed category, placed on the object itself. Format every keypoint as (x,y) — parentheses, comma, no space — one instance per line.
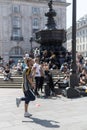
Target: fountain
(51,38)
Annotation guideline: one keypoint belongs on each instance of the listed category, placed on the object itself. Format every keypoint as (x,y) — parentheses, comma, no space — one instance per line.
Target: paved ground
(58,113)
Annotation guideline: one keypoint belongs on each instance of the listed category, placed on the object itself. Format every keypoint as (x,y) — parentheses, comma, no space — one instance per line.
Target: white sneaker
(18,101)
(26,114)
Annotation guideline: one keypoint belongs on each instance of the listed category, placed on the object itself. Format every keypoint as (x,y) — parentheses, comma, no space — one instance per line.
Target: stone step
(6,82)
(13,75)
(18,79)
(11,87)
(11,81)
(15,83)
(10,84)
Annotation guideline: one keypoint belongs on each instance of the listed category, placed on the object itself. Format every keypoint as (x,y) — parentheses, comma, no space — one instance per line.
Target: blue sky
(81,10)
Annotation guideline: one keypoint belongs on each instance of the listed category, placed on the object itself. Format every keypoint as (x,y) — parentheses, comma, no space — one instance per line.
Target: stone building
(81,36)
(20,19)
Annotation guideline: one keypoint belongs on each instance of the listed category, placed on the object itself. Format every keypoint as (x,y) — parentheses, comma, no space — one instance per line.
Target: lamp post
(31,39)
(73,78)
(71,92)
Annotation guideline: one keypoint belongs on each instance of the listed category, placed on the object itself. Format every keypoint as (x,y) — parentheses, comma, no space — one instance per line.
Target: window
(16,28)
(83,31)
(77,48)
(80,33)
(35,23)
(16,8)
(35,10)
(16,22)
(83,46)
(16,32)
(16,51)
(83,39)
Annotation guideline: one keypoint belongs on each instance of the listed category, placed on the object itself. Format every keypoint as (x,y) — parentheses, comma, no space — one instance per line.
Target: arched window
(16,51)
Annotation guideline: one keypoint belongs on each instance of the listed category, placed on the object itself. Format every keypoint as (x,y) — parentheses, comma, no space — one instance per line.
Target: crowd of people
(37,70)
(48,58)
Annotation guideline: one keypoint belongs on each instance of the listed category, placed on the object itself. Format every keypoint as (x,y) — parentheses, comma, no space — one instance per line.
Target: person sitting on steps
(7,73)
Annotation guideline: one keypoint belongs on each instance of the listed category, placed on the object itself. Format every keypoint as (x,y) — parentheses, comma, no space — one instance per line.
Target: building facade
(20,19)
(81,36)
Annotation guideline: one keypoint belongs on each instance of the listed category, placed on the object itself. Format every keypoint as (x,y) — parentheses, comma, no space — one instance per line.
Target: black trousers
(29,96)
(41,82)
(37,84)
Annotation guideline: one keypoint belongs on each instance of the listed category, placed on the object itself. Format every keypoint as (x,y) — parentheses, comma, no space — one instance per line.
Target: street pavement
(58,113)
